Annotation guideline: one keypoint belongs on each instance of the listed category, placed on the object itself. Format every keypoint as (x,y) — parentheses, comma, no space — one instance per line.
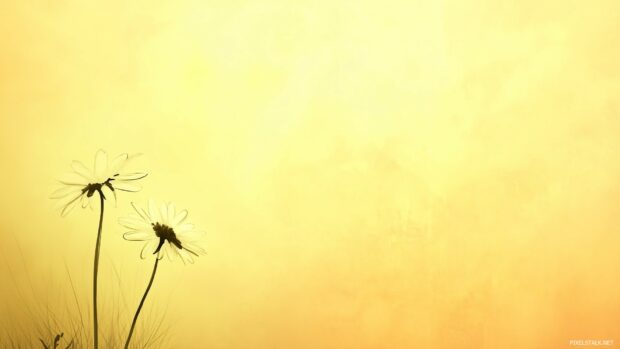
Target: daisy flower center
(91,188)
(165,233)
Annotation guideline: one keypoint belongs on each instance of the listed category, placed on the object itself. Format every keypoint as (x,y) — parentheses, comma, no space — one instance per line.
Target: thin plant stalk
(96,273)
(135,318)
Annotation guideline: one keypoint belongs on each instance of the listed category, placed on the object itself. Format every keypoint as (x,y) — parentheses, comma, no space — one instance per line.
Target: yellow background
(387,174)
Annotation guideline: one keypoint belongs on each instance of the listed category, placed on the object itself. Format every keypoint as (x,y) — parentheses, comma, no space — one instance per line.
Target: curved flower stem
(135,318)
(96,272)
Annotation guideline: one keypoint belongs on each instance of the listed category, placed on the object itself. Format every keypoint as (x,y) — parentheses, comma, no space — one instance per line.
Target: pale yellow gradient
(370,174)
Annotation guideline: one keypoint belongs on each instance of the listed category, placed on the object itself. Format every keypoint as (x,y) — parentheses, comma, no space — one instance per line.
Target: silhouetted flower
(164,231)
(82,183)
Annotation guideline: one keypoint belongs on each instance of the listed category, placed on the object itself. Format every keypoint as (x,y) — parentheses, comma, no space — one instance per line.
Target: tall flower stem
(135,318)
(96,272)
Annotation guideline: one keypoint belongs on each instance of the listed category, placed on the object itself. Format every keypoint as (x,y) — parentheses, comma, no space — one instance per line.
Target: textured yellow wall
(387,174)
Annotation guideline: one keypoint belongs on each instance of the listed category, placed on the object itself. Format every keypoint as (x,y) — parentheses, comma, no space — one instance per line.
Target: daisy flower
(81,185)
(164,231)
(109,176)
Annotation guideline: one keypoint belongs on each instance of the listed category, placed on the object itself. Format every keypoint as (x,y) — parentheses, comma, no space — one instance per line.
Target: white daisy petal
(163,213)
(153,212)
(81,169)
(101,164)
(73,179)
(139,235)
(190,235)
(170,252)
(134,223)
(177,253)
(84,201)
(64,191)
(128,161)
(113,195)
(133,156)
(171,213)
(129,176)
(70,205)
(164,250)
(73,184)
(149,248)
(184,227)
(61,203)
(68,208)
(141,212)
(194,248)
(182,255)
(127,187)
(186,256)
(179,218)
(117,164)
